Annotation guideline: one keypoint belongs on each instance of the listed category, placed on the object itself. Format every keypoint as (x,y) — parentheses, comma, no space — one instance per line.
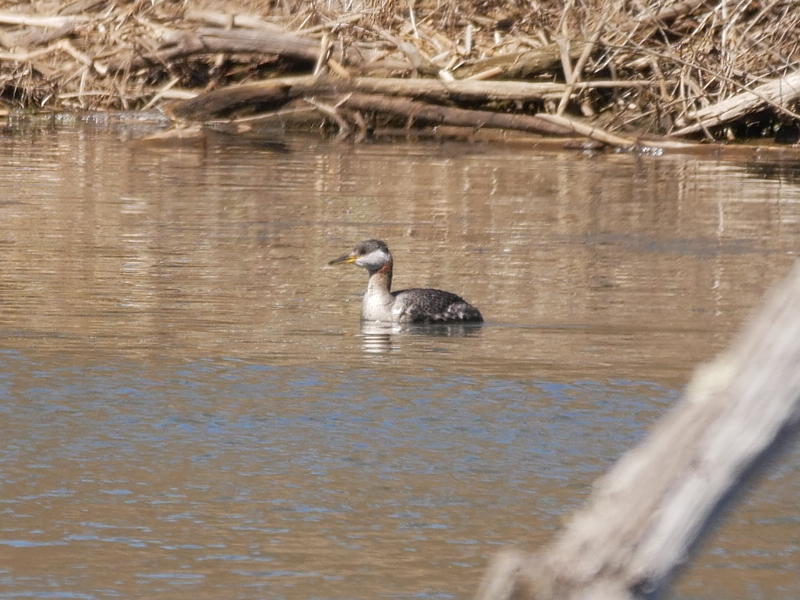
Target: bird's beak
(347,258)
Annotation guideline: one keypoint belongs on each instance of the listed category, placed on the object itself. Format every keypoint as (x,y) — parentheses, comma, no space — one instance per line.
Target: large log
(649,512)
(274,92)
(213,40)
(264,95)
(444,115)
(433,114)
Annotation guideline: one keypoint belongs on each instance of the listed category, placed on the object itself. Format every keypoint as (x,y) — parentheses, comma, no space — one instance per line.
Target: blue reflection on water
(286,448)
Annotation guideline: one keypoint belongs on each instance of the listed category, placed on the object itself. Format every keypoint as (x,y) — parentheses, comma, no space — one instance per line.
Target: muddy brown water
(190,408)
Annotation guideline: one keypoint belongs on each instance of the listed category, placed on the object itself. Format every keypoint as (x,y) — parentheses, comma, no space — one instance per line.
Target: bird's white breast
(377,307)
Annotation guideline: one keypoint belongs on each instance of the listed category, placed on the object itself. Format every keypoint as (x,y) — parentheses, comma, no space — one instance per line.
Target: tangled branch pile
(615,70)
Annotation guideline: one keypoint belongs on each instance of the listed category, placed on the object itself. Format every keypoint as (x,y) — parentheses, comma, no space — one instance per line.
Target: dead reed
(631,70)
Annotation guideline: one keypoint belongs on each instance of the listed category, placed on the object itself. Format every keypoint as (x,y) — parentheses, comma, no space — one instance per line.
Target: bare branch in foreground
(652,508)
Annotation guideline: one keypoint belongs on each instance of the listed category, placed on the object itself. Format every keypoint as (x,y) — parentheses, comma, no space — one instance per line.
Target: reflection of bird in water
(419,305)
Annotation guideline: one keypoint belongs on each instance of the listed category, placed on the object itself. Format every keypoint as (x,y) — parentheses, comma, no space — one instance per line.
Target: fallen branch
(39,20)
(458,90)
(374,94)
(590,132)
(522,64)
(653,507)
(775,93)
(270,94)
(276,91)
(228,20)
(38,37)
(212,40)
(444,115)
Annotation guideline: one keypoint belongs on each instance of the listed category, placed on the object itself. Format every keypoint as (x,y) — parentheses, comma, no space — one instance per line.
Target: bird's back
(425,305)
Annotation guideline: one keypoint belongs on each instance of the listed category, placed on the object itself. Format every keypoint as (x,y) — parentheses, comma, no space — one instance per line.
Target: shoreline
(585,71)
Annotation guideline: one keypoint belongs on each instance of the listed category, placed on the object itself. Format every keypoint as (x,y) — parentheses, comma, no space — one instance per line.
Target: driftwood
(437,90)
(775,93)
(212,40)
(523,64)
(652,508)
(443,115)
(229,20)
(40,21)
(379,96)
(280,90)
(37,37)
(270,94)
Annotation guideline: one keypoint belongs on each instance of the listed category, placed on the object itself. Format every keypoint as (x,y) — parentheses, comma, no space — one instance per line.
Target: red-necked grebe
(419,305)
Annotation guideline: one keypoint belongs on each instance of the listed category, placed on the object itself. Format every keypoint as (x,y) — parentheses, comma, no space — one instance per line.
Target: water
(190,408)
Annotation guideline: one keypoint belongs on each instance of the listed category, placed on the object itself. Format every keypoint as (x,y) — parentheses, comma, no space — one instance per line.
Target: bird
(417,305)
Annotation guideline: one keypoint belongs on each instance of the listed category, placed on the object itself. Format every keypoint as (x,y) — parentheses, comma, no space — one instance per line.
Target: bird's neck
(380,281)
(378,301)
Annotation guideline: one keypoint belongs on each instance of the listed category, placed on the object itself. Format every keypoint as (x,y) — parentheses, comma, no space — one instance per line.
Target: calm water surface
(190,408)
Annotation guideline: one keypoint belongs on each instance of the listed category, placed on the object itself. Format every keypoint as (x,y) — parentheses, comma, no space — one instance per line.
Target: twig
(161,93)
(81,57)
(342,20)
(265,116)
(337,68)
(413,18)
(324,49)
(487,74)
(333,113)
(563,47)
(362,126)
(578,69)
(594,133)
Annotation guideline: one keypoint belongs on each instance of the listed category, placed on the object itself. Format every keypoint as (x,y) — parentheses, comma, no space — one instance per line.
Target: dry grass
(677,56)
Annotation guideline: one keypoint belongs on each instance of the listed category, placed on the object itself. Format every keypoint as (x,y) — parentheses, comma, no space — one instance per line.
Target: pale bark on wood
(649,512)
(523,64)
(80,7)
(8,18)
(674,11)
(775,93)
(459,90)
(591,132)
(36,36)
(229,20)
(213,40)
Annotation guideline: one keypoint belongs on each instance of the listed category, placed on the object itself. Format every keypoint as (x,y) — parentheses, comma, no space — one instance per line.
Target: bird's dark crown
(367,246)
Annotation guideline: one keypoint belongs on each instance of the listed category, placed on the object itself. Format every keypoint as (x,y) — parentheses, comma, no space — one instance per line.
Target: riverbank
(683,72)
